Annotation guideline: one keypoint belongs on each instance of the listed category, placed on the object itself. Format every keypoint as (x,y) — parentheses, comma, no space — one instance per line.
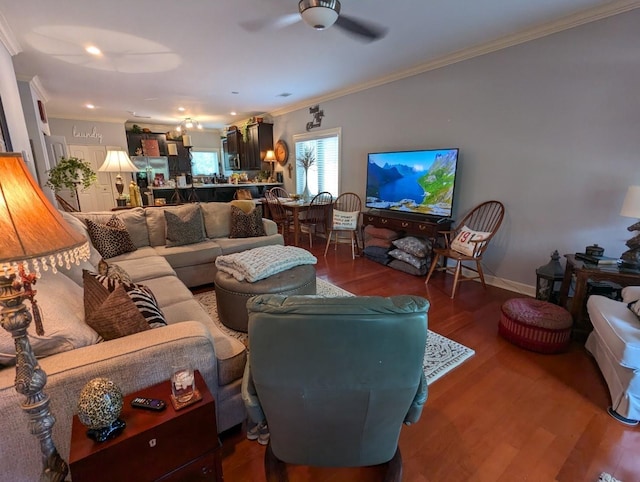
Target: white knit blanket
(259,263)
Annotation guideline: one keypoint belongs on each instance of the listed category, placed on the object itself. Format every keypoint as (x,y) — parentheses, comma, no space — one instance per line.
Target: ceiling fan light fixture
(319,14)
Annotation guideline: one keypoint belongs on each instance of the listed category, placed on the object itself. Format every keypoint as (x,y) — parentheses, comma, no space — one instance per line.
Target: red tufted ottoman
(536,325)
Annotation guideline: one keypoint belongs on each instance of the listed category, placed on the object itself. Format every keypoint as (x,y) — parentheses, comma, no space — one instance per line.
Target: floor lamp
(34,237)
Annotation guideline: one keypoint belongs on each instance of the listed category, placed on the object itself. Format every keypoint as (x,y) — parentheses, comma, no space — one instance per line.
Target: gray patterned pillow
(415,246)
(110,239)
(186,228)
(246,225)
(408,258)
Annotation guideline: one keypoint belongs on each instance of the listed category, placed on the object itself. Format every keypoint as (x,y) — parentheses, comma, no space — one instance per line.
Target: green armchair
(335,378)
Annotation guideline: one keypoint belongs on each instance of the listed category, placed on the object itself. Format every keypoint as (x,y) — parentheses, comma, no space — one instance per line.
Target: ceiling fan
(321,14)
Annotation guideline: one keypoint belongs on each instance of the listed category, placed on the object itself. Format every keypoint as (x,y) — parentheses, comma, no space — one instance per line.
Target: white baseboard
(506,284)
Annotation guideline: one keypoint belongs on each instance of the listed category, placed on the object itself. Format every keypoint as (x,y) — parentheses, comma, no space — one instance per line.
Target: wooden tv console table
(406,224)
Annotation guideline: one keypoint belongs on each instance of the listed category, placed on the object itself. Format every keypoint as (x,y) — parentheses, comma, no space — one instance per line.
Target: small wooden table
(296,207)
(584,272)
(169,445)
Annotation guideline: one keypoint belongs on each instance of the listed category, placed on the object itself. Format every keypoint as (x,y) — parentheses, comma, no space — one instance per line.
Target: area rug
(441,354)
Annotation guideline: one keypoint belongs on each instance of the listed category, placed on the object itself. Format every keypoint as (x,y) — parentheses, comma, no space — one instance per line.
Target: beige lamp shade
(631,204)
(270,156)
(117,161)
(33,231)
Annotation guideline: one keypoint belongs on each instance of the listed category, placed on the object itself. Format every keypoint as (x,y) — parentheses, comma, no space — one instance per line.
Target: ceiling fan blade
(270,24)
(367,32)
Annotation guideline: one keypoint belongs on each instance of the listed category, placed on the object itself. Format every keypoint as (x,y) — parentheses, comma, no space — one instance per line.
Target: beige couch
(135,361)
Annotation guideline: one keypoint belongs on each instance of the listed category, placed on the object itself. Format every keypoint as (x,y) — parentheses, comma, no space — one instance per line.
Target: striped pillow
(140,295)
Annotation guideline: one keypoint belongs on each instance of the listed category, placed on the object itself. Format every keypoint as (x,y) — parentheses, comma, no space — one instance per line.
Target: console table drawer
(407,226)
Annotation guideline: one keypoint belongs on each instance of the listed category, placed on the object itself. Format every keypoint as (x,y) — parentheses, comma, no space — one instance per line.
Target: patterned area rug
(441,354)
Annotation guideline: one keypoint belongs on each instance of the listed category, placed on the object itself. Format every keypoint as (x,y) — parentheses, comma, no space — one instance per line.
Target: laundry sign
(90,134)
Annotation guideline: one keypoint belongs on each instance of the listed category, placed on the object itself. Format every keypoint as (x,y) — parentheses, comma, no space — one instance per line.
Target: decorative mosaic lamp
(99,407)
(34,237)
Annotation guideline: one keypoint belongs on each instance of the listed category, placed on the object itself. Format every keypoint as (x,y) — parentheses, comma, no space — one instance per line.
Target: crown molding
(564,23)
(39,89)
(7,38)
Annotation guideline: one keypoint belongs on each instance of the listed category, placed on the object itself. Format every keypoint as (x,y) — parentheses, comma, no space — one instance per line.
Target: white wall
(551,128)
(13,108)
(89,133)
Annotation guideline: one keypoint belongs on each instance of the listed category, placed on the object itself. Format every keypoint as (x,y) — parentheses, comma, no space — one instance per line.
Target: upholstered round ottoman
(536,325)
(232,295)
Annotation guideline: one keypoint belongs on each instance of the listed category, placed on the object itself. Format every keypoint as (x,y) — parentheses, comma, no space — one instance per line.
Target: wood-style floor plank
(506,414)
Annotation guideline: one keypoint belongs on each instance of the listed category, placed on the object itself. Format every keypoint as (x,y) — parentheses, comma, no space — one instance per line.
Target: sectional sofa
(71,353)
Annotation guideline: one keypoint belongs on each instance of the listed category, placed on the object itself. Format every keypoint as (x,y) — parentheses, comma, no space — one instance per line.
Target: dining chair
(279,192)
(279,214)
(345,219)
(317,215)
(468,242)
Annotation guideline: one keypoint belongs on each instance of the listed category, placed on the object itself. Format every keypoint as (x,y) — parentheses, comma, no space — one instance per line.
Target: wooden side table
(168,446)
(584,272)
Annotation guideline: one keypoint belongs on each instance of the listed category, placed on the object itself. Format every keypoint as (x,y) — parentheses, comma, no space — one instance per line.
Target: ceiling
(159,55)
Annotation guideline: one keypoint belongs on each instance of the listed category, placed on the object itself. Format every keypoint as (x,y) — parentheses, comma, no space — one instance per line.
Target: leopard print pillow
(246,225)
(110,239)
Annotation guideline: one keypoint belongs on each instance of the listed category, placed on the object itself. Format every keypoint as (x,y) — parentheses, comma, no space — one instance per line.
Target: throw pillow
(246,205)
(463,241)
(113,271)
(371,231)
(97,288)
(635,307)
(110,239)
(408,258)
(407,268)
(117,316)
(246,225)
(60,302)
(344,220)
(184,228)
(416,246)
(378,242)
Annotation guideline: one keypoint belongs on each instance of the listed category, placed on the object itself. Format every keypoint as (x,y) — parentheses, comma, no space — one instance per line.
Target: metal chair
(346,206)
(317,215)
(475,230)
(279,214)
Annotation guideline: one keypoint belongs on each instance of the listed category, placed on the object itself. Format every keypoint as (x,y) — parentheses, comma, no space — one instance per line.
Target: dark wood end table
(168,446)
(584,272)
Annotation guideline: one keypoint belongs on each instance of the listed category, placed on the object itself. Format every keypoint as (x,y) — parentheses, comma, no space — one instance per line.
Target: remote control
(149,404)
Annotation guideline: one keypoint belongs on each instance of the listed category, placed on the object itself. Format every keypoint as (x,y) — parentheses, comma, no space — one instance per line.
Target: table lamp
(118,161)
(631,209)
(34,237)
(270,157)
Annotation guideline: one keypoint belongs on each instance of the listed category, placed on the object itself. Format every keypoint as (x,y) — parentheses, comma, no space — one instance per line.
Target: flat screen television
(420,182)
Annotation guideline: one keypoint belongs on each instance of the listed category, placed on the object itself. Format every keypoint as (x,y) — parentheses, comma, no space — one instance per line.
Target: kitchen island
(211,192)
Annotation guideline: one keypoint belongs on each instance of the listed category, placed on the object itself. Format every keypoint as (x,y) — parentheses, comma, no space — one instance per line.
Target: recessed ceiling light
(235,92)
(181,109)
(90,106)
(233,112)
(93,50)
(284,94)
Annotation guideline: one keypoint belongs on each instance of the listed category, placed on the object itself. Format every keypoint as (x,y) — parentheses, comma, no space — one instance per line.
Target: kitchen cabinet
(259,140)
(135,141)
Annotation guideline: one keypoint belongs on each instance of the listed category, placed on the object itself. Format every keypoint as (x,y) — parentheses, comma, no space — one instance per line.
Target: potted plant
(69,173)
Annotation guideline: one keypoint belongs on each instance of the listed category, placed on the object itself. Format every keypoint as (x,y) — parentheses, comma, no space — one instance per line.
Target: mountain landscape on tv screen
(402,187)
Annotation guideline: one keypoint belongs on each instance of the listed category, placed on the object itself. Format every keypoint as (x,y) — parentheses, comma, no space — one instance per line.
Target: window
(323,175)
(204,163)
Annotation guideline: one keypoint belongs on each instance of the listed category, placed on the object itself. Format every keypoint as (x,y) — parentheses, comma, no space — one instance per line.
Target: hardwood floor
(506,414)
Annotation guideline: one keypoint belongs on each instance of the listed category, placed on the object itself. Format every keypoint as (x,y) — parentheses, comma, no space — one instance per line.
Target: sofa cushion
(246,225)
(142,269)
(217,218)
(185,226)
(111,238)
(133,219)
(169,290)
(60,302)
(190,254)
(236,245)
